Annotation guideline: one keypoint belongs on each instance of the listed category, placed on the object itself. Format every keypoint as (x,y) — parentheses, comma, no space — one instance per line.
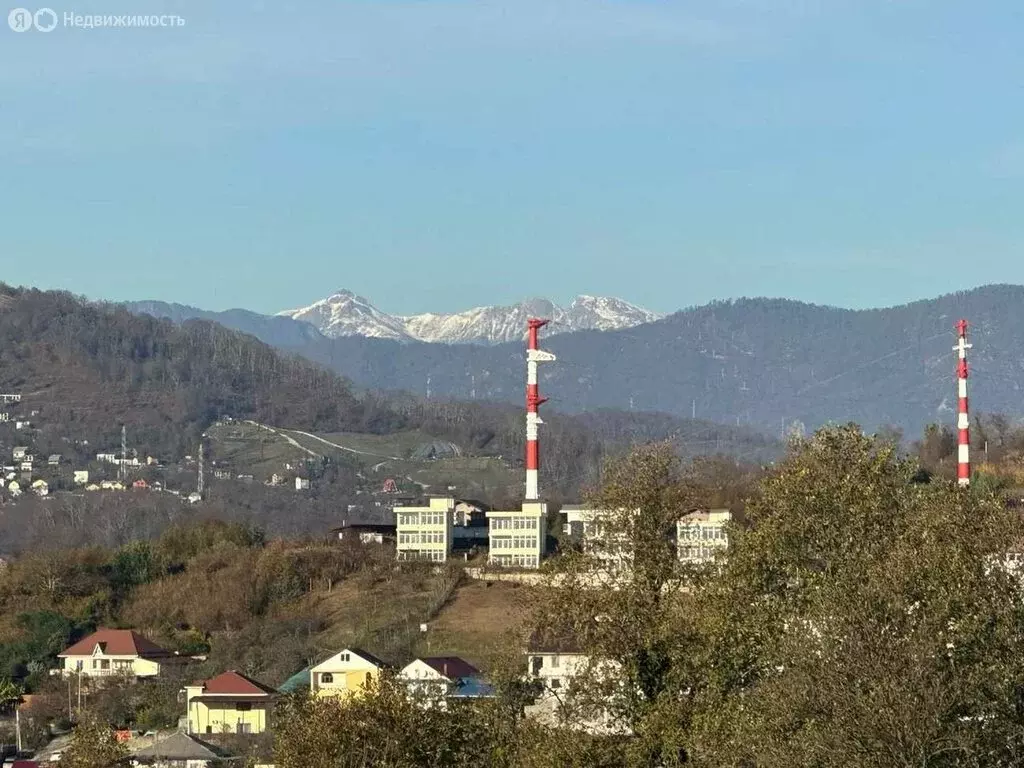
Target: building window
(556,683)
(78,665)
(555,661)
(345,657)
(209,729)
(242,728)
(326,677)
(105,664)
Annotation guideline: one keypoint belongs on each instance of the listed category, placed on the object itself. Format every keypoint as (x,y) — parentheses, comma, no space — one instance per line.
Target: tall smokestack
(534,355)
(963,422)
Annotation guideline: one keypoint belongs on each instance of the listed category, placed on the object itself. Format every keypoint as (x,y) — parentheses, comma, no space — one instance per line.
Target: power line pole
(199,480)
(122,473)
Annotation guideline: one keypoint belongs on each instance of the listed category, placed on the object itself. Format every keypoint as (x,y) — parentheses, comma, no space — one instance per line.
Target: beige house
(346,673)
(702,534)
(228,703)
(109,652)
(517,538)
(425,532)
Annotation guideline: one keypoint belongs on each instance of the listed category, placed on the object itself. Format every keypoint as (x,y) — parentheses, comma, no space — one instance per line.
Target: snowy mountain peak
(345,313)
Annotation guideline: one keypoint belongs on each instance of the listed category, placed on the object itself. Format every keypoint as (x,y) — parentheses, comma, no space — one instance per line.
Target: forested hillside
(767,363)
(87,369)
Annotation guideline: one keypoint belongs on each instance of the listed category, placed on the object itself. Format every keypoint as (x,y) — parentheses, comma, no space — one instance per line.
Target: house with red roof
(108,652)
(228,703)
(436,680)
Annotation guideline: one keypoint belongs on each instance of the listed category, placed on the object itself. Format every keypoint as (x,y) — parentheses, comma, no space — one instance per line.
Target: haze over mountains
(763,362)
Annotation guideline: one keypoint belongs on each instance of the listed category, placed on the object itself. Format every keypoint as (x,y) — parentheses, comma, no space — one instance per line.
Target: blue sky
(438,154)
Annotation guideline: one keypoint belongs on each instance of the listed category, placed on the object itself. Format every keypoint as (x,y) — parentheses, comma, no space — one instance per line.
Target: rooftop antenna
(963,422)
(534,355)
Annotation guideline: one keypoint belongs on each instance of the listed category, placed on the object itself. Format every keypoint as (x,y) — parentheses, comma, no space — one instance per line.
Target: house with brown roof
(436,680)
(228,703)
(108,652)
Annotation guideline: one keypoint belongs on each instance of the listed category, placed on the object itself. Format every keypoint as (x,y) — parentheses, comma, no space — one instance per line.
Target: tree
(624,601)
(862,620)
(93,746)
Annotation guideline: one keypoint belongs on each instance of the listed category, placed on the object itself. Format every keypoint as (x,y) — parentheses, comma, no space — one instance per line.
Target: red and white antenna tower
(534,355)
(963,422)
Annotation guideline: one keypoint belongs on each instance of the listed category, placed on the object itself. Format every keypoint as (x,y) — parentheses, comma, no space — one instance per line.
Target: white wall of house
(104,665)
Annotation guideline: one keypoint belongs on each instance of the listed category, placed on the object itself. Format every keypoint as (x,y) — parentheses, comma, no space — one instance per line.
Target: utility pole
(199,479)
(122,473)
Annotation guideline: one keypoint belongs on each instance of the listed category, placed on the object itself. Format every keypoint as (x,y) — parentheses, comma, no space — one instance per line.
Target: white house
(81,477)
(436,680)
(301,484)
(554,661)
(19,453)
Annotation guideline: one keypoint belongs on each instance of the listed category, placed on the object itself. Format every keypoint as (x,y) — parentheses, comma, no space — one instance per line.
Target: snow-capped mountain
(346,314)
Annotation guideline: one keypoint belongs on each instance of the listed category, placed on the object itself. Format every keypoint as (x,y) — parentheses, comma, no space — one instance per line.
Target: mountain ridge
(770,363)
(345,313)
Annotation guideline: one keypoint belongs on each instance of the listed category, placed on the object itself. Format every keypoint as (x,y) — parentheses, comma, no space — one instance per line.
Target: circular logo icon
(20,20)
(45,19)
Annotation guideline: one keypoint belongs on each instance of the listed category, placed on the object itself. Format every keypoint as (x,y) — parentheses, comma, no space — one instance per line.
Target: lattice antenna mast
(963,421)
(534,355)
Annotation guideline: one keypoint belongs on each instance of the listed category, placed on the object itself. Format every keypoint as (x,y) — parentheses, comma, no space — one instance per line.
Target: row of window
(705,532)
(433,555)
(698,554)
(514,542)
(515,561)
(412,519)
(427,537)
(513,523)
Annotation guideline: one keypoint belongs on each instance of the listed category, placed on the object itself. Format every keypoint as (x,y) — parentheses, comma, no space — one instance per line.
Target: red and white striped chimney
(534,355)
(963,422)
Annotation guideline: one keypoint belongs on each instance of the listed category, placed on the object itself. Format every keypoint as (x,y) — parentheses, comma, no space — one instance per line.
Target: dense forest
(766,363)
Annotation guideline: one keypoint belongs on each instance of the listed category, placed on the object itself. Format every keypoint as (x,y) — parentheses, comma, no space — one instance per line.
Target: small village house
(365,533)
(109,652)
(80,477)
(346,673)
(41,488)
(438,680)
(53,460)
(179,750)
(19,453)
(228,703)
(554,660)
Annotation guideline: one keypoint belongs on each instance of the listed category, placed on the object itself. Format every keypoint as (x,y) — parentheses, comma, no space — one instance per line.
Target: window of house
(209,729)
(243,728)
(105,664)
(326,677)
(243,706)
(555,661)
(556,683)
(78,665)
(344,657)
